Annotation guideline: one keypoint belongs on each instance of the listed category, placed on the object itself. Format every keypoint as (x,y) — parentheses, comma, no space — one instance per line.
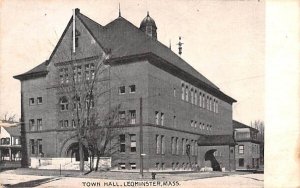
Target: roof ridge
(90,19)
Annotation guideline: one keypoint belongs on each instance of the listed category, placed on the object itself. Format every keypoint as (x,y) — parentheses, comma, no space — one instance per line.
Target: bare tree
(260,126)
(9,117)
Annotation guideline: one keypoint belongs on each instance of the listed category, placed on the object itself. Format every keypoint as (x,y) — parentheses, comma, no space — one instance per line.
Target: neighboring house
(10,145)
(247,152)
(181,108)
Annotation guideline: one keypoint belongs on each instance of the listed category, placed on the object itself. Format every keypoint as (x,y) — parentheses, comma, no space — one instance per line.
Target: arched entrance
(209,156)
(73,152)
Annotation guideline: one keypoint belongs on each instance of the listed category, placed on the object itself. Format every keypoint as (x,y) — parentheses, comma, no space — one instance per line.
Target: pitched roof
(215,140)
(239,125)
(125,39)
(37,71)
(13,130)
(122,39)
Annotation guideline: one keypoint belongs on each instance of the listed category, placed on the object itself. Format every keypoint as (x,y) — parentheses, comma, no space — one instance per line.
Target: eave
(28,76)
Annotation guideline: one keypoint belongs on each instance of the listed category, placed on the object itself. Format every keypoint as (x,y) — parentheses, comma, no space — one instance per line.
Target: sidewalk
(184,176)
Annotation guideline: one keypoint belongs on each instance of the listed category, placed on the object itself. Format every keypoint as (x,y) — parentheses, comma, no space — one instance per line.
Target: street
(9,179)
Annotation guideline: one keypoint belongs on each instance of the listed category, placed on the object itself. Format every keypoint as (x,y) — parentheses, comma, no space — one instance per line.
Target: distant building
(182,109)
(247,151)
(10,144)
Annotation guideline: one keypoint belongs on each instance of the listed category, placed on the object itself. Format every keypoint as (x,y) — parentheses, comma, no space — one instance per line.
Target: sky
(223,40)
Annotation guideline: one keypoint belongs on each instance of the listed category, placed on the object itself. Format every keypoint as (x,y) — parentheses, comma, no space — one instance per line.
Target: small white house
(10,143)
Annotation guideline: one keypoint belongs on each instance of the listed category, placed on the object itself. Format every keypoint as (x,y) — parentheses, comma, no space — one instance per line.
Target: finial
(170,45)
(180,46)
(119,10)
(148,13)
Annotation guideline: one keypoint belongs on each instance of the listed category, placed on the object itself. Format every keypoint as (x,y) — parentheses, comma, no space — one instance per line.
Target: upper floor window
(196,98)
(77,76)
(64,75)
(132,88)
(39,124)
(64,105)
(207,102)
(39,100)
(31,124)
(174,92)
(192,96)
(162,118)
(132,143)
(156,117)
(203,100)
(174,121)
(121,89)
(122,142)
(241,149)
(132,114)
(200,99)
(186,93)
(31,101)
(89,71)
(217,107)
(32,146)
(122,117)
(182,91)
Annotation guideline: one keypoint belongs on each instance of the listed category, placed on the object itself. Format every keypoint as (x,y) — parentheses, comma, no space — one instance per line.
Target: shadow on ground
(32,183)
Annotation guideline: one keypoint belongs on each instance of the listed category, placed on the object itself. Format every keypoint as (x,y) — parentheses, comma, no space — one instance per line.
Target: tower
(148,26)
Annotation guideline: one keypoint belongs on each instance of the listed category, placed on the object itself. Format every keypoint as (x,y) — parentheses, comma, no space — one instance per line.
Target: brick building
(247,150)
(181,108)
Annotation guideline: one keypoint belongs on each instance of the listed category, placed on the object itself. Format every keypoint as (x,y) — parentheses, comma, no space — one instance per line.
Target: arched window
(64,104)
(196,98)
(192,95)
(182,91)
(187,93)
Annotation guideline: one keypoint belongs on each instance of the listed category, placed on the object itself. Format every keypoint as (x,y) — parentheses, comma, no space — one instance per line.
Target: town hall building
(186,119)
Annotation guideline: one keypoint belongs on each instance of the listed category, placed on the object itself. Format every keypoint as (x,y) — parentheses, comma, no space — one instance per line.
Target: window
(241,149)
(40,147)
(132,89)
(207,102)
(173,145)
(156,117)
(61,123)
(132,143)
(182,91)
(122,166)
(77,34)
(132,115)
(64,75)
(132,166)
(31,125)
(122,90)
(177,146)
(183,146)
(39,124)
(200,99)
(187,93)
(241,162)
(66,123)
(162,117)
(157,166)
(17,141)
(192,95)
(196,148)
(210,104)
(196,99)
(32,147)
(192,123)
(122,117)
(163,148)
(195,124)
(77,73)
(76,104)
(122,143)
(89,71)
(162,166)
(192,147)
(158,142)
(39,100)
(174,92)
(174,121)
(31,101)
(73,123)
(203,100)
(217,107)
(64,105)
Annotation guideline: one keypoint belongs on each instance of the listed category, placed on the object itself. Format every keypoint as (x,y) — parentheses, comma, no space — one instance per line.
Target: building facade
(181,109)
(247,150)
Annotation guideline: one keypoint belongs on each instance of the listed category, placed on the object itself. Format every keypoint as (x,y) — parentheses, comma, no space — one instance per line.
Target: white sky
(223,40)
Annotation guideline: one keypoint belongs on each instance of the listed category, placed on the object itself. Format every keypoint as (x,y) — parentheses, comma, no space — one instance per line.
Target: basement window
(122,166)
(31,101)
(39,100)
(122,90)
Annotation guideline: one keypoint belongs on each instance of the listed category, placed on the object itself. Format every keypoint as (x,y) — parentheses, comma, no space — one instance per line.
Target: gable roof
(239,125)
(13,130)
(123,39)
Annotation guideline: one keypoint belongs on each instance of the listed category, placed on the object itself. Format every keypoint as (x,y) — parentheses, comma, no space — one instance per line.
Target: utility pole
(141,138)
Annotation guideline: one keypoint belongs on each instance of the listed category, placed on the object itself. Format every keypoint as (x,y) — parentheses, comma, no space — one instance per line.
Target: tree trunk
(97,163)
(81,156)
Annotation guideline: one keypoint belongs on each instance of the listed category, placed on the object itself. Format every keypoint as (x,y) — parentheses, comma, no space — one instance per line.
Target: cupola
(148,26)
